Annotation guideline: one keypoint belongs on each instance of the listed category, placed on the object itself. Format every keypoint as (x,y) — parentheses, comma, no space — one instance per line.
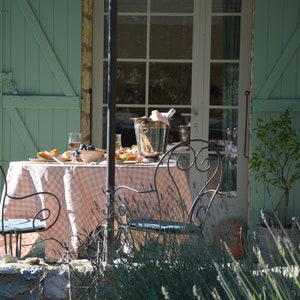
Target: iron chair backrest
(41,220)
(168,210)
(201,161)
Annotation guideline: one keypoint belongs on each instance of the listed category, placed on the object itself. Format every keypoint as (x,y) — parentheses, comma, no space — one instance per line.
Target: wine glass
(118,141)
(74,143)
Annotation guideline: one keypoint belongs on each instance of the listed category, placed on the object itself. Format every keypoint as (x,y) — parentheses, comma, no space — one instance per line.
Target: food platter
(129,162)
(42,160)
(123,156)
(59,159)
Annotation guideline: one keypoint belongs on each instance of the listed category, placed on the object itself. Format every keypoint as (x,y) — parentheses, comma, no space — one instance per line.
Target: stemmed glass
(74,143)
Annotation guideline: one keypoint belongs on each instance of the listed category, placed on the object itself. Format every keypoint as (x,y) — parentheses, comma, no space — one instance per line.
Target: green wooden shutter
(40,76)
(276,74)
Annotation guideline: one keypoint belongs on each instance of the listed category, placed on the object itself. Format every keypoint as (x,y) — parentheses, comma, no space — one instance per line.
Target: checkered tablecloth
(80,190)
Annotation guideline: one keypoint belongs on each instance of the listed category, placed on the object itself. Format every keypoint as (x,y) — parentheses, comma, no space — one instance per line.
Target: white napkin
(158,116)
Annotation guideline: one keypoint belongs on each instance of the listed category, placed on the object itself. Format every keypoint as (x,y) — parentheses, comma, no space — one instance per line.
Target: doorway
(191,55)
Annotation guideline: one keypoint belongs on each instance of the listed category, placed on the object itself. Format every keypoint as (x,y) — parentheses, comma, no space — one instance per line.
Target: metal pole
(108,243)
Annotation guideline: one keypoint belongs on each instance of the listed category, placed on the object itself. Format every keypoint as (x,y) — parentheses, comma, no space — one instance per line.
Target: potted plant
(276,160)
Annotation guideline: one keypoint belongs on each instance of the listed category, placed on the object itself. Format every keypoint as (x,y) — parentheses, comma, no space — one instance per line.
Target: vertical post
(108,243)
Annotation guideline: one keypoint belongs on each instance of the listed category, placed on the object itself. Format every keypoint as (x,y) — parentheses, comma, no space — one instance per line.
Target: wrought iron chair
(43,219)
(161,208)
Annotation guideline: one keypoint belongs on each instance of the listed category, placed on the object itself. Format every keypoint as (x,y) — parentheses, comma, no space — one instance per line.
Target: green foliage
(279,152)
(193,270)
(276,160)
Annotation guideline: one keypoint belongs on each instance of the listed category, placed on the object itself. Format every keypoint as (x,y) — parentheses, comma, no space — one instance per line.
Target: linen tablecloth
(80,190)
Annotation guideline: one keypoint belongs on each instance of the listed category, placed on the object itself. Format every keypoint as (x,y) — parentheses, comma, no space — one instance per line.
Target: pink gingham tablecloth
(80,190)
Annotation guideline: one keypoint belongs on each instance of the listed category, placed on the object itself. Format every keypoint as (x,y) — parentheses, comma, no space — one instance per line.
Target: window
(186,54)
(154,62)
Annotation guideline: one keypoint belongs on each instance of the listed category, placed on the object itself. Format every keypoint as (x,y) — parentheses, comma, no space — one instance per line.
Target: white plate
(128,162)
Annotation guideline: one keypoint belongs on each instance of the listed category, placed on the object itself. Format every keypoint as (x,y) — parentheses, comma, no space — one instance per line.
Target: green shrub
(192,270)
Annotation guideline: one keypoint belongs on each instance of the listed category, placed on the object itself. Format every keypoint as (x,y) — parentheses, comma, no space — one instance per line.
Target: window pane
(131,35)
(171,37)
(223,129)
(226,6)
(172,6)
(130,86)
(229,178)
(225,38)
(224,83)
(170,83)
(124,124)
(130,6)
(220,121)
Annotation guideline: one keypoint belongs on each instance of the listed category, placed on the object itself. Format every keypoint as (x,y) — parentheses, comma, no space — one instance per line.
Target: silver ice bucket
(151,136)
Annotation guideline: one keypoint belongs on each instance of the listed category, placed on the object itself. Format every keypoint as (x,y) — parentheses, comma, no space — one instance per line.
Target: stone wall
(25,281)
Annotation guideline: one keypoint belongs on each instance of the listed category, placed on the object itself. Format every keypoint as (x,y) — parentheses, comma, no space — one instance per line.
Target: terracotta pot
(232,233)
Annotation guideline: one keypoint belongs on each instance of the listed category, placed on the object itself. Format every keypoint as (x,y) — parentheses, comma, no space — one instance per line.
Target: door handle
(246,154)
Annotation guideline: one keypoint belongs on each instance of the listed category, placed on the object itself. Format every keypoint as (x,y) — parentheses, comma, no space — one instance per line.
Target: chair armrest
(42,215)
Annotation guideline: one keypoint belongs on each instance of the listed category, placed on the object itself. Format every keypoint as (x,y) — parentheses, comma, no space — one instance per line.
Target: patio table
(80,189)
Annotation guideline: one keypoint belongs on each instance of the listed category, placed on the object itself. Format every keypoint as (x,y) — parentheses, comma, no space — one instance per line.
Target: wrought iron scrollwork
(43,219)
(165,208)
(11,85)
